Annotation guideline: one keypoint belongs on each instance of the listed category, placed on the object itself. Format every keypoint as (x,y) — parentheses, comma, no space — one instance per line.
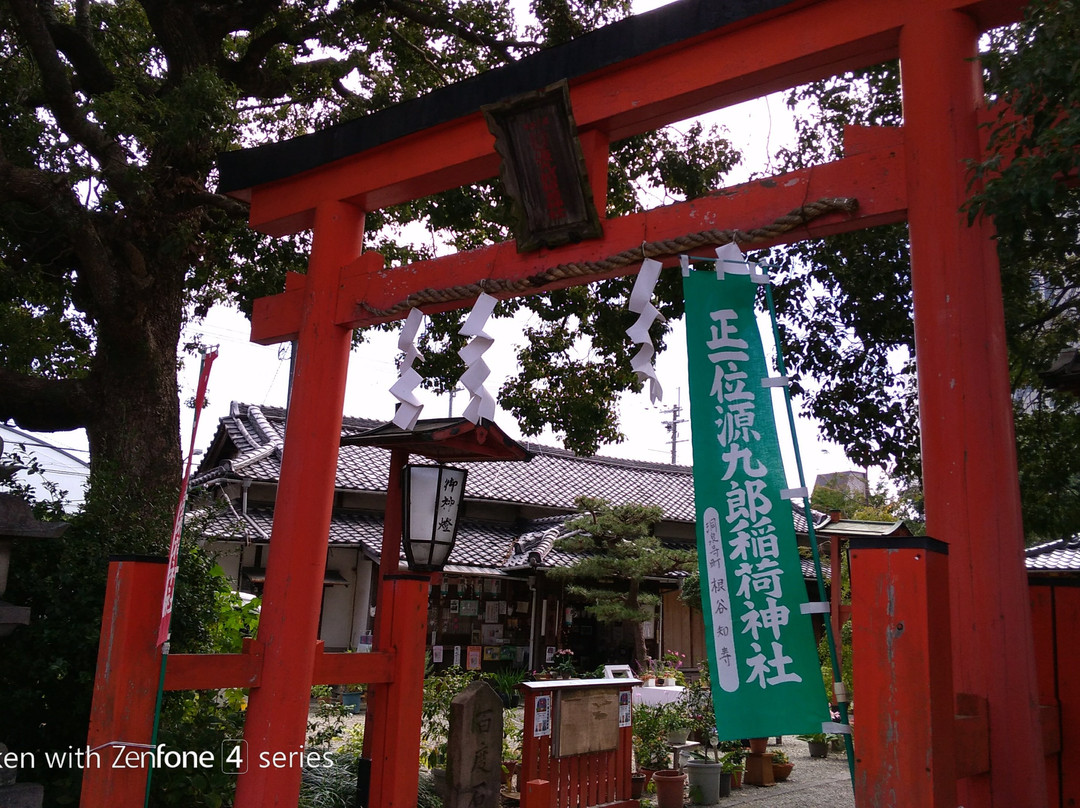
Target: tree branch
(233,207)
(452,25)
(51,196)
(60,95)
(95,76)
(47,405)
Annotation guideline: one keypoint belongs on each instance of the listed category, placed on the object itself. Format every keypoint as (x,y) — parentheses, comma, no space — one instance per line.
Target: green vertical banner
(766,677)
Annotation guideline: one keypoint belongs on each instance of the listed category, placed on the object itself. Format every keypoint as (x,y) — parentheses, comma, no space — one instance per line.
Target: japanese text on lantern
(751,546)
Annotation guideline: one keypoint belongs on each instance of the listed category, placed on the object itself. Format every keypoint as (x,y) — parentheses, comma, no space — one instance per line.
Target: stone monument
(474,748)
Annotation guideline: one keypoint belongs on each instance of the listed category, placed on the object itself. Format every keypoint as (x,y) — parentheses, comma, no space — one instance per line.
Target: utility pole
(672,426)
(453,391)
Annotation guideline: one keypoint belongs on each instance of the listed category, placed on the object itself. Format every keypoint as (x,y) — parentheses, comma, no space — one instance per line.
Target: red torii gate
(326,182)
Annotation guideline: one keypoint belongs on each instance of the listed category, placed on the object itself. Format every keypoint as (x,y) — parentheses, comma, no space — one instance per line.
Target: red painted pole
(969,459)
(125,685)
(288,625)
(392,727)
(905,739)
(395,728)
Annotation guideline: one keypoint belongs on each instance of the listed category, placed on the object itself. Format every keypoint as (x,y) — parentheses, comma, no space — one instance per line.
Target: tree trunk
(637,626)
(134,425)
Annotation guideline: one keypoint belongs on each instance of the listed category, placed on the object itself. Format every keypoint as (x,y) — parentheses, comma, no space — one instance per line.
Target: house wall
(335,624)
(339,606)
(683,629)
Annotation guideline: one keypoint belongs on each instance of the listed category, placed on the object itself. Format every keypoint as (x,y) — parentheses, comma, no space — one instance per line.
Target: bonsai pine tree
(618,552)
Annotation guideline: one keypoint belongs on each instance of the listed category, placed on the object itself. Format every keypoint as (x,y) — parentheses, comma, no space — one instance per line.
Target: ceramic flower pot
(781,771)
(703,780)
(677,736)
(670,784)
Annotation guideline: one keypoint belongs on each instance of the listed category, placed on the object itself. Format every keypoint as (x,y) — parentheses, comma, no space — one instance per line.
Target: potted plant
(697,704)
(562,664)
(674,723)
(637,784)
(818,743)
(650,747)
(706,778)
(647,673)
(352,697)
(670,784)
(781,765)
(732,759)
(506,684)
(672,663)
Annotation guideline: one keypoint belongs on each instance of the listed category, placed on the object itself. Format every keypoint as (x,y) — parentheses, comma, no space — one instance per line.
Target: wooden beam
(710,72)
(212,671)
(874,176)
(347,669)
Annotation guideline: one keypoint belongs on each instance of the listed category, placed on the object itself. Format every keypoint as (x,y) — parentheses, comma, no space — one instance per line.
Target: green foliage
(439,691)
(733,755)
(332,786)
(1034,142)
(194,720)
(618,552)
(63,581)
(690,590)
(845,302)
(650,745)
(847,671)
(885,503)
(696,702)
(327,720)
(507,679)
(111,235)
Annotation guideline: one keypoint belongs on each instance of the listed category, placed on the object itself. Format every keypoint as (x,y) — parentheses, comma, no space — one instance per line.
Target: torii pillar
(965,407)
(277,712)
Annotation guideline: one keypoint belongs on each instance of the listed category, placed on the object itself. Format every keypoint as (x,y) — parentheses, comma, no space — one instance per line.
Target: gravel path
(814,783)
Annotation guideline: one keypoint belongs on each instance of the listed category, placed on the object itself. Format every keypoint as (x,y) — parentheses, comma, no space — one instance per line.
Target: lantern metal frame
(431,531)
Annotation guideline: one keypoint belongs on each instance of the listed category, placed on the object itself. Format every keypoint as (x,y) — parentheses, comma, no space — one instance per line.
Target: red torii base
(972,499)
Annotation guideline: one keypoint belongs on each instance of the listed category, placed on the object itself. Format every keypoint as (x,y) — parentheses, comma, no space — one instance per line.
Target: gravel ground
(814,782)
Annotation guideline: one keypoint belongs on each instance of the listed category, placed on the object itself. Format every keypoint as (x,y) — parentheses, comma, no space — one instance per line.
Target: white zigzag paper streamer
(730,260)
(481,402)
(641,304)
(403,390)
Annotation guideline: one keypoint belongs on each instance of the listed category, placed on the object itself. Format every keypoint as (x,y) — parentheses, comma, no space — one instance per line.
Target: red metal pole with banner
(178,518)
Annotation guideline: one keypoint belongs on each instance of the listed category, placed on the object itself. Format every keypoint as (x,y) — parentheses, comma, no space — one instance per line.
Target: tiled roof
(249,441)
(808,569)
(479,544)
(553,478)
(1062,555)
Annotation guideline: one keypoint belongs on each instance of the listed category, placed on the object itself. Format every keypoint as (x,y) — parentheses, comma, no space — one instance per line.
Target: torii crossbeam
(684,59)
